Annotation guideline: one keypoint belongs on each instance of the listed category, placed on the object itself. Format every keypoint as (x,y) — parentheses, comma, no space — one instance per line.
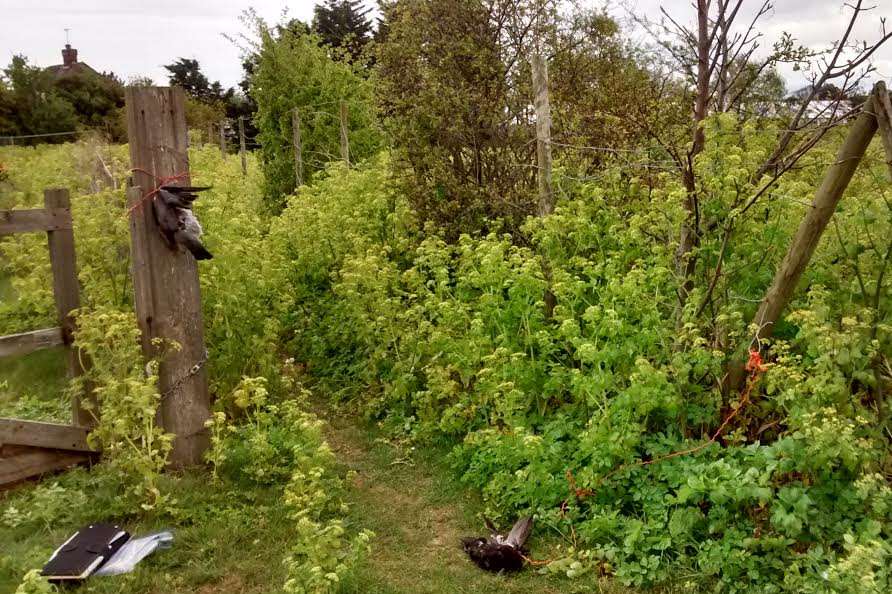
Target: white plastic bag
(134,551)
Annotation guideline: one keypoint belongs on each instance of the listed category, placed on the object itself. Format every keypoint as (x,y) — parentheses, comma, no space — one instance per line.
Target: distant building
(70,66)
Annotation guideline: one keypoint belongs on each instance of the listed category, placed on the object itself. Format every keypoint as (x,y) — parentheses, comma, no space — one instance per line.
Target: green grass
(232,540)
(222,543)
(32,387)
(419,511)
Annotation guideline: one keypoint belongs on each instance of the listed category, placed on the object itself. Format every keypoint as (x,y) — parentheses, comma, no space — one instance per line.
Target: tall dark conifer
(343,24)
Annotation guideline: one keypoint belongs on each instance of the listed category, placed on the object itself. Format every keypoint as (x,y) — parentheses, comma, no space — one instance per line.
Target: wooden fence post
(67,293)
(816,218)
(298,157)
(812,226)
(241,144)
(165,281)
(543,134)
(223,138)
(345,141)
(883,107)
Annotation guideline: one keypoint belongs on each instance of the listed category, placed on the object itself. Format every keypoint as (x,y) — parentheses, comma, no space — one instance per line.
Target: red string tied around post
(161,182)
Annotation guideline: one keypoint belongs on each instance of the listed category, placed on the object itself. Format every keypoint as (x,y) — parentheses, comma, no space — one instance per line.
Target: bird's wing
(520,532)
(189,189)
(168,221)
(173,199)
(186,193)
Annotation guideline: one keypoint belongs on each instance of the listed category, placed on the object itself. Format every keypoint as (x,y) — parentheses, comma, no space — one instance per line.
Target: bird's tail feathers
(193,245)
(520,532)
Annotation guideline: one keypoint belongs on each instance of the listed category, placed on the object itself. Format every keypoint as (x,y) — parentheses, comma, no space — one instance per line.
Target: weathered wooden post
(345,141)
(241,144)
(67,292)
(811,228)
(543,134)
(543,161)
(298,157)
(883,107)
(223,138)
(165,281)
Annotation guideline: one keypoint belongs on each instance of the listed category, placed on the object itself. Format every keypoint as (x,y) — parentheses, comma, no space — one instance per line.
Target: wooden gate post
(165,281)
(67,293)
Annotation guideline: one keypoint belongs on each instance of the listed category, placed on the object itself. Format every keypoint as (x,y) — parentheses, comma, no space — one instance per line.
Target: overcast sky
(135,37)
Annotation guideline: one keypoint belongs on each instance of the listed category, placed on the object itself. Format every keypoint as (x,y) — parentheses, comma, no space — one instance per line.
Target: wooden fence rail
(29,448)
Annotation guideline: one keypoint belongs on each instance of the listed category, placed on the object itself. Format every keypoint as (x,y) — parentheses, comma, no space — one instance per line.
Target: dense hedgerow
(557,416)
(265,443)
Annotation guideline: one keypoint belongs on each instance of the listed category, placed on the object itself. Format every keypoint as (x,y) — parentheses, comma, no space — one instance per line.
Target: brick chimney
(69,55)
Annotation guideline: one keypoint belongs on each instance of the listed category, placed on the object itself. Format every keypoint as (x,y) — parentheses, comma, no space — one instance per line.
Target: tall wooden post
(345,141)
(67,293)
(812,226)
(165,281)
(815,221)
(298,157)
(543,161)
(883,107)
(223,138)
(543,134)
(241,144)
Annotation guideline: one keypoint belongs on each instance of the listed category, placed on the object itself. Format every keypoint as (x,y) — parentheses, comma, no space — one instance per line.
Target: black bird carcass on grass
(177,222)
(500,552)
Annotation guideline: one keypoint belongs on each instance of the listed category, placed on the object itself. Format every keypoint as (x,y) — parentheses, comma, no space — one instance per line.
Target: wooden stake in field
(828,195)
(813,224)
(543,134)
(223,138)
(165,281)
(241,144)
(298,157)
(345,141)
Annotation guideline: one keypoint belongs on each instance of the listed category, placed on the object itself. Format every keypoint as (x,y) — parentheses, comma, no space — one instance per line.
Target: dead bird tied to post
(500,552)
(177,222)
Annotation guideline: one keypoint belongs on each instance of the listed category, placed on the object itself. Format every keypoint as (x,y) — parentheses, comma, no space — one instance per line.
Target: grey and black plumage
(500,552)
(177,222)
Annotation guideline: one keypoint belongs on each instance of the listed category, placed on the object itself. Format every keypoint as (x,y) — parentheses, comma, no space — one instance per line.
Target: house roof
(63,70)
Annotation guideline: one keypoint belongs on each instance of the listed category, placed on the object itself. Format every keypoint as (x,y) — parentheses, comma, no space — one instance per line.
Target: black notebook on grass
(85,552)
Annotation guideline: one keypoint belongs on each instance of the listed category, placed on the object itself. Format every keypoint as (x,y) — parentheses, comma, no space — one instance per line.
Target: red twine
(162,181)
(754,365)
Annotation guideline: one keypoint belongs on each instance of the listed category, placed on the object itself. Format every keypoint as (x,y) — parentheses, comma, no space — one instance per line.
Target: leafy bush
(294,71)
(265,443)
(565,416)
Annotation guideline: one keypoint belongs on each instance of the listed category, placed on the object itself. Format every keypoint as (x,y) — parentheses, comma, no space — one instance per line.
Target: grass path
(419,512)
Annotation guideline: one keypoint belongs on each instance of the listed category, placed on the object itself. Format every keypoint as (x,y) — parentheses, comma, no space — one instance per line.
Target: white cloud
(135,37)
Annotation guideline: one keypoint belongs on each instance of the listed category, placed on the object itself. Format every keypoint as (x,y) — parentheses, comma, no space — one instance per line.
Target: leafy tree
(8,124)
(293,70)
(97,99)
(187,74)
(343,24)
(455,93)
(39,107)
